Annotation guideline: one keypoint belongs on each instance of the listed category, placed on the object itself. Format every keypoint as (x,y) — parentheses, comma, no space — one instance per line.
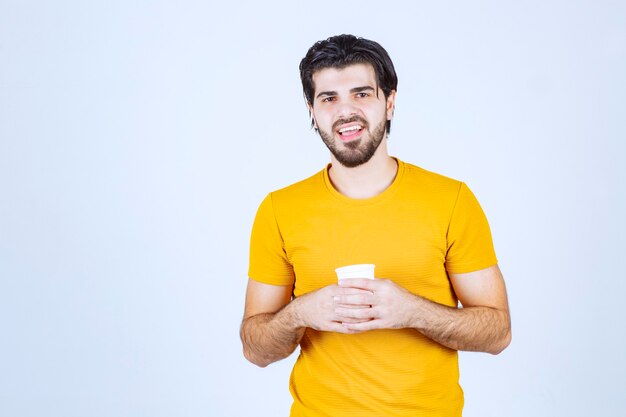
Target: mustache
(351,119)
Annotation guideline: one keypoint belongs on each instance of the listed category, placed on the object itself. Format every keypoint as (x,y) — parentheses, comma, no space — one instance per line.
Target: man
(383,347)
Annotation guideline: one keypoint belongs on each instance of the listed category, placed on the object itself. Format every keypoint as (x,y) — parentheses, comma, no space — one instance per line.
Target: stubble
(359,151)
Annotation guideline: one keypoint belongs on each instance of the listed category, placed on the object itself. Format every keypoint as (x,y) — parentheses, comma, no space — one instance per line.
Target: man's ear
(391,104)
(313,122)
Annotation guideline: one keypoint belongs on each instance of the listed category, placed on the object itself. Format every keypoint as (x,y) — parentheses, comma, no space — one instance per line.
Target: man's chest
(407,244)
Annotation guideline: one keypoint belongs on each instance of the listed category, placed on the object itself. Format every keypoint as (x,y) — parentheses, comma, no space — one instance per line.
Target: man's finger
(340,328)
(354,313)
(362,283)
(364,299)
(349,320)
(350,291)
(362,327)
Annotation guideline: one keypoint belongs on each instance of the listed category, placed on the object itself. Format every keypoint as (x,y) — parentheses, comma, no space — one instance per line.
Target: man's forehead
(345,77)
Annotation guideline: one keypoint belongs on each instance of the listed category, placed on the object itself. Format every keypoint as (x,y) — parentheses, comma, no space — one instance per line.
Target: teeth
(349,129)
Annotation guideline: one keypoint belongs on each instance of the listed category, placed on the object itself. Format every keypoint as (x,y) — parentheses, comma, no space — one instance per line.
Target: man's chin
(352,144)
(353,160)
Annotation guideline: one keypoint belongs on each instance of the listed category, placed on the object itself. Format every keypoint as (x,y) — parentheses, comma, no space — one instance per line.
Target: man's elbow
(502,344)
(260,362)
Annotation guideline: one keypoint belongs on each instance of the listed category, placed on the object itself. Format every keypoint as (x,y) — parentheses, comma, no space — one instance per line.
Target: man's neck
(367,180)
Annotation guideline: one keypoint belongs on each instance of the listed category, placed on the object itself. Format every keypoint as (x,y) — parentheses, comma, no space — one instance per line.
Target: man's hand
(273,324)
(318,309)
(482,325)
(380,304)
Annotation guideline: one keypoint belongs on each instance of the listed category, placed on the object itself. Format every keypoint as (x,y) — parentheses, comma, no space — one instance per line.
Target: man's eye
(362,94)
(328,99)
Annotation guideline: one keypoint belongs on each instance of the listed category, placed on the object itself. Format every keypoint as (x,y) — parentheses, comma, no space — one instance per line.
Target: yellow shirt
(415,232)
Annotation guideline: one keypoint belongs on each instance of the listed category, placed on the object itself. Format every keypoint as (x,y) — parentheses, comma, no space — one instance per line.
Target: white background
(137,139)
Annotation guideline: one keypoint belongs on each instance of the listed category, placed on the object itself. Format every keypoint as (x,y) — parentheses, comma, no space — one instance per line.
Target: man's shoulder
(429,180)
(309,186)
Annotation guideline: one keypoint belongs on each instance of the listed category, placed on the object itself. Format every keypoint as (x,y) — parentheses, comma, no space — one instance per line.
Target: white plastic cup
(356,271)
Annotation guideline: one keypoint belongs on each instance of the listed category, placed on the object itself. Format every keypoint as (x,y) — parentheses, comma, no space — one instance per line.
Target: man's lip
(351,135)
(343,126)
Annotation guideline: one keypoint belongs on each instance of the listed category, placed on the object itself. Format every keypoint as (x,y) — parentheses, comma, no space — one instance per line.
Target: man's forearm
(479,329)
(269,337)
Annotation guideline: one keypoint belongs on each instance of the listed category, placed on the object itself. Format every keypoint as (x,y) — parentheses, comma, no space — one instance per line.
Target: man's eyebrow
(326,93)
(352,90)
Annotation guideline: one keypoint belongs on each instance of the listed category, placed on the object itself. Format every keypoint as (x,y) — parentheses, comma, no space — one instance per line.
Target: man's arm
(268,331)
(483,324)
(273,325)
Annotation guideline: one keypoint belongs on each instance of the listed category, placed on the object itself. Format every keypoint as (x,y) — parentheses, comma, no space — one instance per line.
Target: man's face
(350,112)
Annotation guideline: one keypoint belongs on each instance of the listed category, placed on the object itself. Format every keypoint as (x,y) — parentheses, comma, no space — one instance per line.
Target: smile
(350,132)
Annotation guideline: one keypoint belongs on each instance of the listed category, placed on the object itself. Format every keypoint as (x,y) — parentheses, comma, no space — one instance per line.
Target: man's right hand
(273,324)
(317,308)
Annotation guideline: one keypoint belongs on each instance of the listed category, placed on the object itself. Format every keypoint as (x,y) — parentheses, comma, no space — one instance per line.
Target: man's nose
(346,109)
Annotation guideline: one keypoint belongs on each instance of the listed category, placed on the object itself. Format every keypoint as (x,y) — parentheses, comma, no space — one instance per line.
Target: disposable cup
(356,271)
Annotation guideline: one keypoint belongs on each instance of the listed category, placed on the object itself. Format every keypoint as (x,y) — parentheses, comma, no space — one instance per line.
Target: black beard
(358,152)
